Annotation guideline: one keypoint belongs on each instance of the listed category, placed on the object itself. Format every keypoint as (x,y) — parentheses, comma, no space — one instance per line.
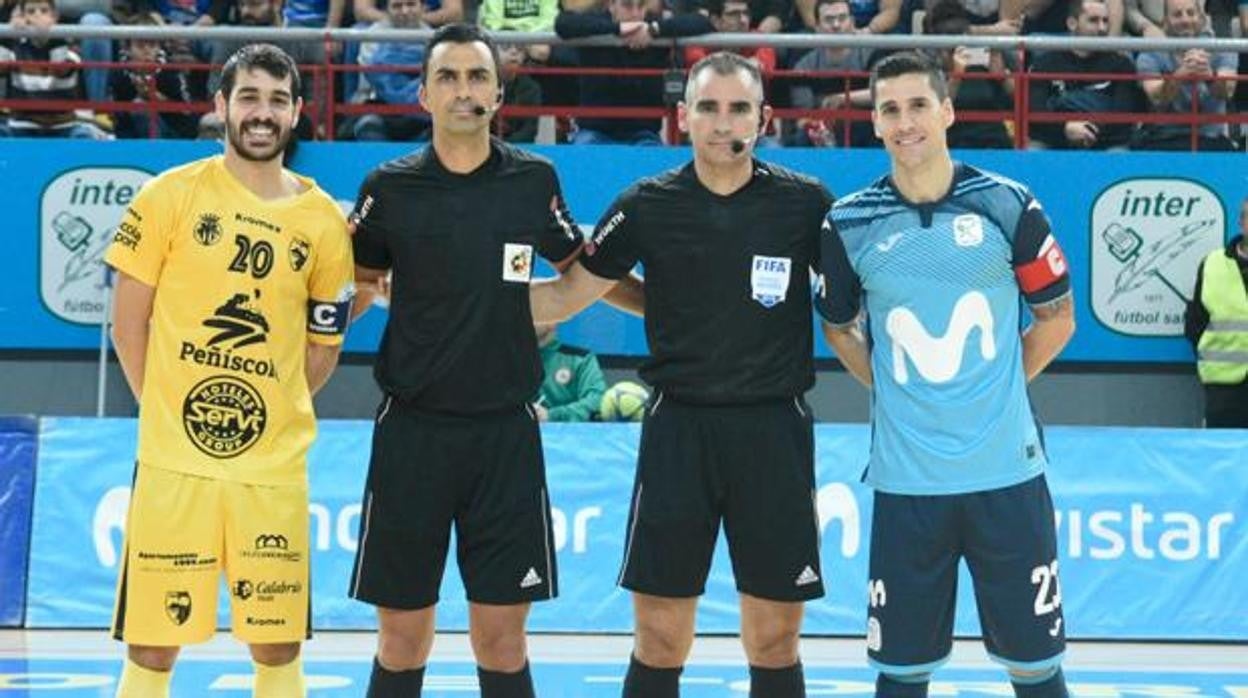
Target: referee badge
(517,262)
(769,279)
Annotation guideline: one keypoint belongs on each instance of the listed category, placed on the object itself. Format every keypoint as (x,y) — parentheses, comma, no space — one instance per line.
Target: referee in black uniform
(455,441)
(726,242)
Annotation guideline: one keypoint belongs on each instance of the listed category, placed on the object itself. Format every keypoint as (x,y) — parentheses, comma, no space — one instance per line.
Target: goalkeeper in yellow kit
(234,289)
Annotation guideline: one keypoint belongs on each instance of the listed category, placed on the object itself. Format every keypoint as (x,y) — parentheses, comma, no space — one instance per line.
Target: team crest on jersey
(517,262)
(563,376)
(769,279)
(968,230)
(298,252)
(178,606)
(208,229)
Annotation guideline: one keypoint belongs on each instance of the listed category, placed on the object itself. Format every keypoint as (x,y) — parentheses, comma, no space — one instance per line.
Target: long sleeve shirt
(623,91)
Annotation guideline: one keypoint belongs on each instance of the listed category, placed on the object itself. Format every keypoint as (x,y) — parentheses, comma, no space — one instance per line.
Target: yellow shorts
(183,530)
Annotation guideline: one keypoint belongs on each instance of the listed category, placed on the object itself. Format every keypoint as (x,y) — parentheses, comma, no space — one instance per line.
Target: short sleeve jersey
(728,309)
(243,285)
(941,286)
(460,338)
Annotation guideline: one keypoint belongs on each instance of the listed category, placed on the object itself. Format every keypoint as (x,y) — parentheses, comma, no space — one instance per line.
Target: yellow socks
(140,682)
(285,681)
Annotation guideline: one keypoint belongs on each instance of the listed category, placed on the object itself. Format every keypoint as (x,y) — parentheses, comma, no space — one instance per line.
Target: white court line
(840,653)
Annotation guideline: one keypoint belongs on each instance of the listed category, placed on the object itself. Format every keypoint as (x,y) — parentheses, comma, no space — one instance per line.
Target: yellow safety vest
(1222,352)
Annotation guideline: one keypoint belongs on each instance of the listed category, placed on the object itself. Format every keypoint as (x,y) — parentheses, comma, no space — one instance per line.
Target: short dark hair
(821,3)
(715,8)
(266,57)
(910,63)
(21,4)
(1075,7)
(462,33)
(947,17)
(725,63)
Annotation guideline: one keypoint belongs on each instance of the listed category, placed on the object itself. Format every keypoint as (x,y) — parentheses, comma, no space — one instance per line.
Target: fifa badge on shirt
(517,262)
(968,230)
(769,279)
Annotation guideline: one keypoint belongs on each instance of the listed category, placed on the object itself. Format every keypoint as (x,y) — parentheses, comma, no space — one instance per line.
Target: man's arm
(570,25)
(132,314)
(851,349)
(1224,87)
(555,300)
(370,284)
(886,19)
(321,361)
(1052,327)
(1196,320)
(629,295)
(367,11)
(451,11)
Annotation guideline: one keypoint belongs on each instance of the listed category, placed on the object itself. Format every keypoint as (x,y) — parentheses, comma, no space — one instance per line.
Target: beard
(234,131)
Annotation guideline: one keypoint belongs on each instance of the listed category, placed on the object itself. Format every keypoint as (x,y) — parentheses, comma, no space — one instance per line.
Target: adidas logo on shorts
(531,579)
(807,576)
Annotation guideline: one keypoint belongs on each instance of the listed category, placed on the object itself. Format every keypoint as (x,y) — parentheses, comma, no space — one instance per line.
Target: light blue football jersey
(950,410)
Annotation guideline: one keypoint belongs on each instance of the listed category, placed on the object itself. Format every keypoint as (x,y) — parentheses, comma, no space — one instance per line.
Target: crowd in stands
(642,74)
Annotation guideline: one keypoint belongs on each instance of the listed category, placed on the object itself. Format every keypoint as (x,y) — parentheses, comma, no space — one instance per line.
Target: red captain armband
(1048,266)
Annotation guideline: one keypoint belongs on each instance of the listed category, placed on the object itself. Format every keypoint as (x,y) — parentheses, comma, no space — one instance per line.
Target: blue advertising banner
(19,439)
(1150,526)
(1134,227)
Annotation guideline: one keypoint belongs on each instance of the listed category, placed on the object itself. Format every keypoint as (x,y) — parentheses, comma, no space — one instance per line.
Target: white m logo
(836,502)
(939,358)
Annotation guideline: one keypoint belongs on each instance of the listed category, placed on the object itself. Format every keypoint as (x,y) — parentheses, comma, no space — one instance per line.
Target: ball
(623,402)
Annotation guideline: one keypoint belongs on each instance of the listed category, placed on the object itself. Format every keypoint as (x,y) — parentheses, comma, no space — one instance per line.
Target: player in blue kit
(921,278)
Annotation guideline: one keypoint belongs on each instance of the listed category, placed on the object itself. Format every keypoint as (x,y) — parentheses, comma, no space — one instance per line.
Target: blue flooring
(340,679)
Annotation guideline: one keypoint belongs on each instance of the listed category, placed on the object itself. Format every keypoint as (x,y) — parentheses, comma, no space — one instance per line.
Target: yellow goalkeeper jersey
(243,285)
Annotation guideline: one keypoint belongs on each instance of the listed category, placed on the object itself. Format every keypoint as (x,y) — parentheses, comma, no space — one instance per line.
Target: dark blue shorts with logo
(1008,540)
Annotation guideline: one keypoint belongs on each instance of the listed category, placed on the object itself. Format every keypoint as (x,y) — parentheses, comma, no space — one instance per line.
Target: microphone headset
(739,145)
(482,111)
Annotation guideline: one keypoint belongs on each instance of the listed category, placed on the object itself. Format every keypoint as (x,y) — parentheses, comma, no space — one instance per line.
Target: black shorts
(751,466)
(485,474)
(1008,540)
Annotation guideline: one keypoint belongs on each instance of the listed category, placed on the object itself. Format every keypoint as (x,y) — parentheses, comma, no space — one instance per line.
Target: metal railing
(322,76)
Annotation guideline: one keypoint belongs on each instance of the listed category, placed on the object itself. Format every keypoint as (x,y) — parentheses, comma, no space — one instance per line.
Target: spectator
(399,88)
(519,90)
(1088,18)
(1217,326)
(573,384)
(1146,18)
(143,83)
(521,16)
(1183,77)
(733,16)
(831,93)
(975,93)
(1051,16)
(868,16)
(44,82)
(265,13)
(437,12)
(628,20)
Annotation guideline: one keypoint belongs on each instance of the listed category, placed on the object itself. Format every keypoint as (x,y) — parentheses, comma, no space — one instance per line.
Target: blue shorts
(1008,539)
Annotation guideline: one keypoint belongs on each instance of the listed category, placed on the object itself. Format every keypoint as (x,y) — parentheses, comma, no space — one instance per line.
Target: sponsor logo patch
(224,416)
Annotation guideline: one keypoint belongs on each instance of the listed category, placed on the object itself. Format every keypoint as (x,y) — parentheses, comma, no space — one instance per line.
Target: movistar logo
(938,359)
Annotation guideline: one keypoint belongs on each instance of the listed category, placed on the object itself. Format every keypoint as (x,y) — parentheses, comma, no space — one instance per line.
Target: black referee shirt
(460,335)
(728,310)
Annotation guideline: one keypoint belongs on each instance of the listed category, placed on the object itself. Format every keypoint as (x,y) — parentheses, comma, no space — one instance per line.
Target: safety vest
(1222,352)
